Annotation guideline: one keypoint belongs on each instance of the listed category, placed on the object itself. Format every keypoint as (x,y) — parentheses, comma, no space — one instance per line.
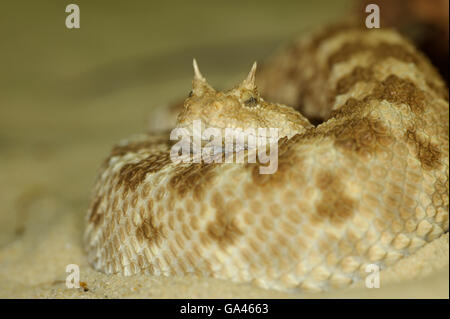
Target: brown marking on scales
(287,159)
(192,177)
(393,89)
(359,74)
(136,146)
(335,205)
(95,217)
(381,51)
(296,51)
(427,153)
(359,135)
(223,229)
(397,90)
(131,175)
(148,230)
(365,139)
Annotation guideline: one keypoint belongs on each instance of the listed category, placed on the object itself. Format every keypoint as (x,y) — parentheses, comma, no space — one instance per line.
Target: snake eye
(190,94)
(251,102)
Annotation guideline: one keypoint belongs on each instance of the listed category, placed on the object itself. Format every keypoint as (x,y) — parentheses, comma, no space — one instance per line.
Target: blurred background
(67,95)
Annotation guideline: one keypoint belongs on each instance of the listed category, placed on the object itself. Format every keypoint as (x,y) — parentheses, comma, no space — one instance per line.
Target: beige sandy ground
(66,96)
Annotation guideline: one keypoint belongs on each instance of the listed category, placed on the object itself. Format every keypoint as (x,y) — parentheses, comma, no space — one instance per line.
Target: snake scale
(367,185)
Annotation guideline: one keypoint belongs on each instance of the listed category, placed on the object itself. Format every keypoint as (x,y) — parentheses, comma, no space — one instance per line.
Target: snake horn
(249,82)
(199,84)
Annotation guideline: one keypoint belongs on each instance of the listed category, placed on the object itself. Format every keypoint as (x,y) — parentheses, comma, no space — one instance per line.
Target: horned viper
(367,185)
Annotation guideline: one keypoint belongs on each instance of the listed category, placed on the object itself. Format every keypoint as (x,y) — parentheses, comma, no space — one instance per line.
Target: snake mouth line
(225,145)
(220,134)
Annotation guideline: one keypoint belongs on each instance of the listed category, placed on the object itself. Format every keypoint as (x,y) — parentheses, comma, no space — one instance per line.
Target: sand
(68,95)
(33,265)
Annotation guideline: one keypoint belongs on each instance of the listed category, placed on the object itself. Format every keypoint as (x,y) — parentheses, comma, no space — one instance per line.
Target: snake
(362,172)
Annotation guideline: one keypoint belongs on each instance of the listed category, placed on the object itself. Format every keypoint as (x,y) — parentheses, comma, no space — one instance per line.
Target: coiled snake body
(368,185)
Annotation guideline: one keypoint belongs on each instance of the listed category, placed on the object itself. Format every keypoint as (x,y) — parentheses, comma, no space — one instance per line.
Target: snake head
(241,107)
